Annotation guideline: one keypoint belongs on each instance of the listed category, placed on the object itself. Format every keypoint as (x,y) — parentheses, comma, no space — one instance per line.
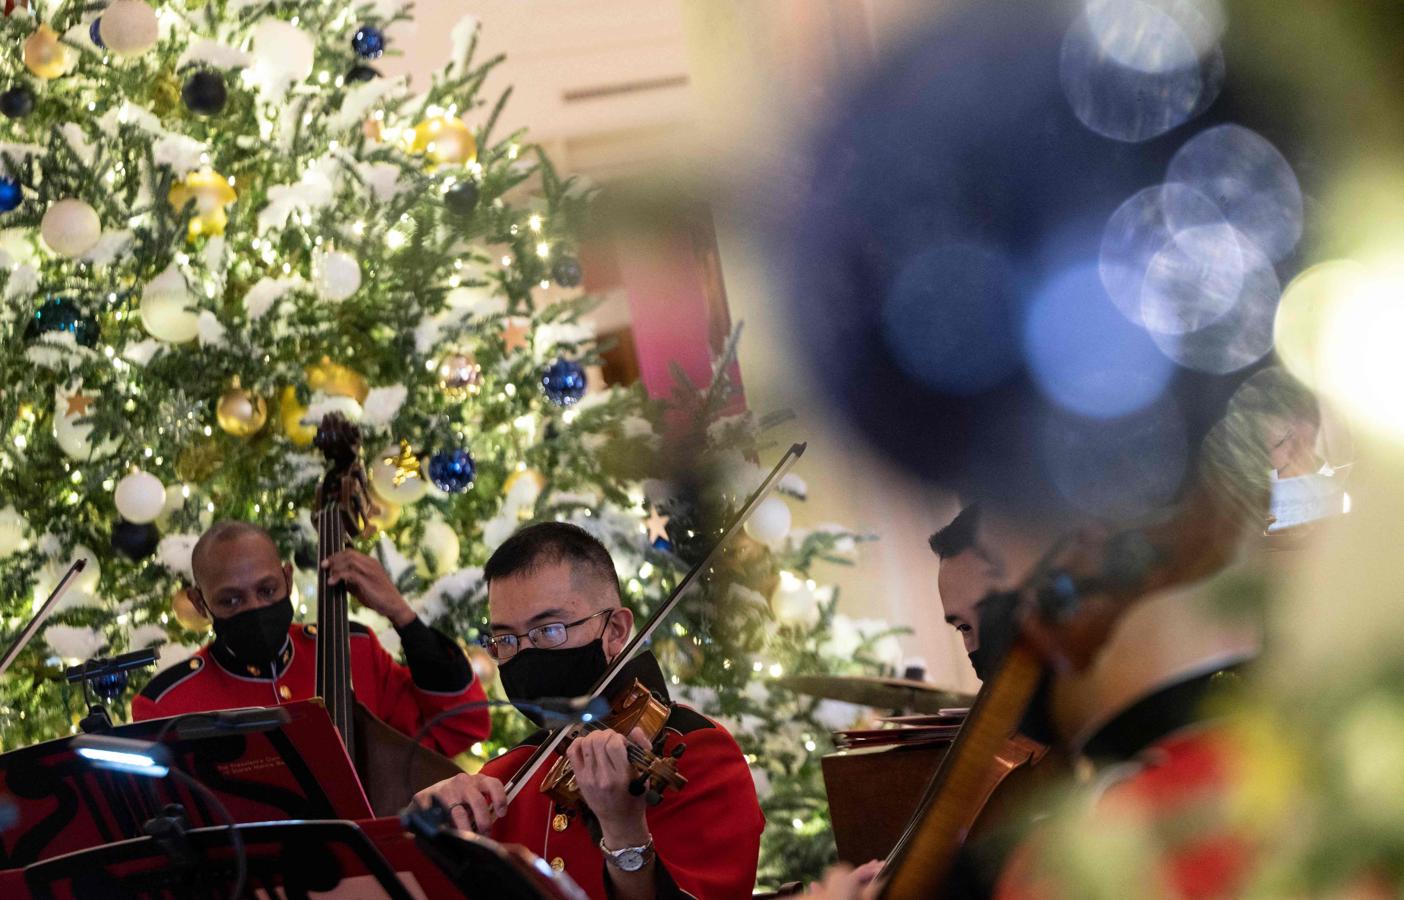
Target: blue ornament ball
(62,314)
(564,382)
(368,42)
(95,33)
(10,194)
(452,470)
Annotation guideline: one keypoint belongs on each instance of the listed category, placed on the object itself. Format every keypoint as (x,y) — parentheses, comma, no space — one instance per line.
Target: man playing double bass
(556,622)
(260,658)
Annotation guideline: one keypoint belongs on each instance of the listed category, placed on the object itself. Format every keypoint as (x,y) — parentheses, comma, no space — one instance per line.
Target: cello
(1068,605)
(387,761)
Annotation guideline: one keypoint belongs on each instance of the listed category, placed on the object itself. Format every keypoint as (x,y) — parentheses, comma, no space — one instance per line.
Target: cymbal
(881,693)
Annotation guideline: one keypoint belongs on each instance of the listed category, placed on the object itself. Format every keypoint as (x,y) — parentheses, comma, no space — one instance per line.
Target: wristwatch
(628,859)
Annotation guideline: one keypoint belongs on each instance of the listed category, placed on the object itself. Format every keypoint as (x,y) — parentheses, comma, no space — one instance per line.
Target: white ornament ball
(129,27)
(75,438)
(12,531)
(70,228)
(166,308)
(140,497)
(337,275)
(437,554)
(795,602)
(770,523)
(283,53)
(382,479)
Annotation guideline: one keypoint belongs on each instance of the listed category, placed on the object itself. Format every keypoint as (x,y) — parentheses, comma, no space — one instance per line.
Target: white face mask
(1306,498)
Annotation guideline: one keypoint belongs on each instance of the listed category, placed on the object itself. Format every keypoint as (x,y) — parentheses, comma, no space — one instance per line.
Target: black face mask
(996,630)
(256,635)
(534,673)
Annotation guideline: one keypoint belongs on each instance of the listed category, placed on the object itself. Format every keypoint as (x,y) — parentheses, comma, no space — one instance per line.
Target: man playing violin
(260,658)
(556,622)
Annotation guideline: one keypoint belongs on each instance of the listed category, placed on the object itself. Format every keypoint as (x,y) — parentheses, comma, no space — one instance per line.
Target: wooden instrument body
(392,767)
(634,708)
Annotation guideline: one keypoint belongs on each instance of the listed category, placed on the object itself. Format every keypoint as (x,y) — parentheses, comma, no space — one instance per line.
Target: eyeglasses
(503,647)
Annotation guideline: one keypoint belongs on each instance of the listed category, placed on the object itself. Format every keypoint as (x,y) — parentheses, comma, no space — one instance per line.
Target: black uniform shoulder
(685,719)
(359,630)
(171,677)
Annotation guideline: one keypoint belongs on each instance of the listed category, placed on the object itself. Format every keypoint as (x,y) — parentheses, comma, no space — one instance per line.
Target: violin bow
(641,637)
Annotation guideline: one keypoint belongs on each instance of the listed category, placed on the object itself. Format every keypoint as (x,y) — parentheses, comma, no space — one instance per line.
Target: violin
(635,708)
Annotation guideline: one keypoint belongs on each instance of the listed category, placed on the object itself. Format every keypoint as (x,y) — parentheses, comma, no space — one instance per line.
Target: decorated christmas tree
(218,223)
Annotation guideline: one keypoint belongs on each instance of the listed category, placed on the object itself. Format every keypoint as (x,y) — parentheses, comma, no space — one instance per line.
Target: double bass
(387,761)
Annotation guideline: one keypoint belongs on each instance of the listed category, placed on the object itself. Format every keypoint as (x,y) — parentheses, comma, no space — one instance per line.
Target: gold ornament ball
(484,666)
(444,140)
(527,476)
(336,380)
(45,56)
(187,613)
(212,193)
(241,413)
(385,514)
(290,414)
(460,373)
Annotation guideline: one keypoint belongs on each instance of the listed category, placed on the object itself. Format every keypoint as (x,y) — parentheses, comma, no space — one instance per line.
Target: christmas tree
(221,223)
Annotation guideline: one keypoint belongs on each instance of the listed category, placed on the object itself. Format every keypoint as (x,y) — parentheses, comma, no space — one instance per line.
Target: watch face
(629,860)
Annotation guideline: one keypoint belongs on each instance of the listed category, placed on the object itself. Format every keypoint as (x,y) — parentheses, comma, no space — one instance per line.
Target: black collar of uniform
(235,666)
(1157,715)
(643,667)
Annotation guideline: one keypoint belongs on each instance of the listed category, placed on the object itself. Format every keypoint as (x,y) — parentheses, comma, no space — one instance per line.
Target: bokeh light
(1362,368)
(1248,179)
(1132,70)
(1084,355)
(1137,232)
(946,318)
(1120,469)
(1308,305)
(1194,280)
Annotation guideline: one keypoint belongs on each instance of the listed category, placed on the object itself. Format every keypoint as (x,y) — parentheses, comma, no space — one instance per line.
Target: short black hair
(222,532)
(958,536)
(548,543)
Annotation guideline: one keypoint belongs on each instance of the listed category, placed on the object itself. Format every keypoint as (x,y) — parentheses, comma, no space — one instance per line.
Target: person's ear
(621,625)
(287,577)
(197,599)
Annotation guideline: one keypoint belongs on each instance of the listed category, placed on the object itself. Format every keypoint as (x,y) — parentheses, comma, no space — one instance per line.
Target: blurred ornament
(679,657)
(241,413)
(10,194)
(384,514)
(795,602)
(657,525)
(564,382)
(368,42)
(75,438)
(283,54)
(336,380)
(211,192)
(452,471)
(337,275)
(95,33)
(361,74)
(204,92)
(17,102)
(12,531)
(166,307)
(484,666)
(436,554)
(45,56)
(396,475)
(198,461)
(566,271)
(134,541)
(187,613)
(459,373)
(140,497)
(444,140)
(770,522)
(516,332)
(62,314)
(70,227)
(462,198)
(290,413)
(524,484)
(129,27)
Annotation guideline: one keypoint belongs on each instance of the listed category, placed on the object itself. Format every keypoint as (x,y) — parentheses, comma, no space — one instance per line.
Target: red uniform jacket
(706,836)
(438,678)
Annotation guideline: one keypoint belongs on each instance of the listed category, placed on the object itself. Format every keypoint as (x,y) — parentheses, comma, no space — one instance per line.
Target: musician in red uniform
(556,623)
(260,658)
